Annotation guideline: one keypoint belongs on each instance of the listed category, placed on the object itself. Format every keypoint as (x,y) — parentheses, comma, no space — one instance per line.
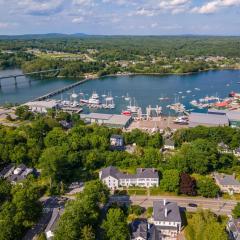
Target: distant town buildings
(227,183)
(114,179)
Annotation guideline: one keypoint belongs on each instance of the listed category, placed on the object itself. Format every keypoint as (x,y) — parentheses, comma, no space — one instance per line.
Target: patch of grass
(157,191)
(137,191)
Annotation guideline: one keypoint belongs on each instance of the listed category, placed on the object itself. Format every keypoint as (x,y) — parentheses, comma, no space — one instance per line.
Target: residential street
(219,206)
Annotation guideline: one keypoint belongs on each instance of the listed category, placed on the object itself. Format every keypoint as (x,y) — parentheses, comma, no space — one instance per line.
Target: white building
(167,219)
(42,106)
(227,183)
(114,179)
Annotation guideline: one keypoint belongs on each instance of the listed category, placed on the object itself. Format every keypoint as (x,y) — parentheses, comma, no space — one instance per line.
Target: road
(219,206)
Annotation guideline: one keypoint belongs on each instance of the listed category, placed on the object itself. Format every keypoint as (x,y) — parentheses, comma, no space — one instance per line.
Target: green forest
(104,55)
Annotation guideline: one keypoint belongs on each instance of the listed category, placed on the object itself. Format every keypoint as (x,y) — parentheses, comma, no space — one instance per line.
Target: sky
(120,17)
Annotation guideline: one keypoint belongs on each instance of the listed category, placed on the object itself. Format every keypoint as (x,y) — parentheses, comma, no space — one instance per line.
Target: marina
(171,95)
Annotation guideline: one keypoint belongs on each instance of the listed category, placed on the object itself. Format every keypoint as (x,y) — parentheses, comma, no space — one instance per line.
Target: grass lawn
(137,191)
(158,191)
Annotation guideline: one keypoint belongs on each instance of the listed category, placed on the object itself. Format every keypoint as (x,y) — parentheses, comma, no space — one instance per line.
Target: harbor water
(145,89)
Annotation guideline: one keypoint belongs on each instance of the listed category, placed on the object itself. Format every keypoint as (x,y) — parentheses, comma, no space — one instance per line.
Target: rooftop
(141,173)
(43,104)
(159,210)
(224,179)
(139,229)
(207,119)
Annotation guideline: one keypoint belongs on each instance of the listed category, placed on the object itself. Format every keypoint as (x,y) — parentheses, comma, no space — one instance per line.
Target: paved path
(219,206)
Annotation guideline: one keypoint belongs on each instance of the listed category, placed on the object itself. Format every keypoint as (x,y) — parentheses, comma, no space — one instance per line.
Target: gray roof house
(166,217)
(233,227)
(139,230)
(144,177)
(49,231)
(155,233)
(227,183)
(7,171)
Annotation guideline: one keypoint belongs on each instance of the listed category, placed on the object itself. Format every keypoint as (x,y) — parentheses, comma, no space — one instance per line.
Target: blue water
(25,89)
(146,89)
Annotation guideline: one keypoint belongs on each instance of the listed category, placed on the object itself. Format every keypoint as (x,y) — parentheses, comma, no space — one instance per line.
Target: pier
(51,94)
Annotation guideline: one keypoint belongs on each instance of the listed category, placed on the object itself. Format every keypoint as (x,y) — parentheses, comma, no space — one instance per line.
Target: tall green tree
(115,225)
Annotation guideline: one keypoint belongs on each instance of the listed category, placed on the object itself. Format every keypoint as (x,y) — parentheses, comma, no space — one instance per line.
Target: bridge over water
(15,76)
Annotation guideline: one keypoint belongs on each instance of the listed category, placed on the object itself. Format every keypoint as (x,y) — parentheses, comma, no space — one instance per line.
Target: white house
(167,219)
(145,177)
(227,183)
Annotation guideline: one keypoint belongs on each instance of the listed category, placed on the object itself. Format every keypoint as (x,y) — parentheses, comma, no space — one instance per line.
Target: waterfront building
(227,183)
(109,120)
(208,120)
(166,217)
(233,116)
(42,106)
(114,179)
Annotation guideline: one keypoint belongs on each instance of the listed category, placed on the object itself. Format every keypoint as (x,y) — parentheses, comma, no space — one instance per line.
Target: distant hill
(42,36)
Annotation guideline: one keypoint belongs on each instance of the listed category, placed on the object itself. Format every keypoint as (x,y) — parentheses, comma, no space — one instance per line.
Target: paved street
(219,206)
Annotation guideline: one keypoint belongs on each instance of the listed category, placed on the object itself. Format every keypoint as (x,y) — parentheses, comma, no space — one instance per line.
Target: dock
(56,92)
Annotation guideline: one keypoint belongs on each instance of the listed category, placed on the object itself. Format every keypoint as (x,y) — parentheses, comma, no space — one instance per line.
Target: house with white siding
(167,219)
(114,179)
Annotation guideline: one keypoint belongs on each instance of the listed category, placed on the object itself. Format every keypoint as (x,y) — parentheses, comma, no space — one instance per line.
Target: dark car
(192,205)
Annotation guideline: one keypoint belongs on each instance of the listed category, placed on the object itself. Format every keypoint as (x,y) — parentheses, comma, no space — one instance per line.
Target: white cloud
(42,7)
(4,25)
(78,20)
(214,6)
(145,12)
(84,2)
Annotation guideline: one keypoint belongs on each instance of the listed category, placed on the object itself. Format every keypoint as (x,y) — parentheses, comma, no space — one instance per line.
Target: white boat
(188,91)
(94,99)
(197,89)
(127,98)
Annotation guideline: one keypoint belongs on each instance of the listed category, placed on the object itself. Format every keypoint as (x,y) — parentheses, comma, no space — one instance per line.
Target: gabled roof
(224,179)
(154,233)
(139,229)
(147,173)
(173,212)
(54,219)
(6,170)
(141,173)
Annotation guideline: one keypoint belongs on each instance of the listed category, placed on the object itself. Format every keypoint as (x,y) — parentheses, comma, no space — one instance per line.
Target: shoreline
(151,74)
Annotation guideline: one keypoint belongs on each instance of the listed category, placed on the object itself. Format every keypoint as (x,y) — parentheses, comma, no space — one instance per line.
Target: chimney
(166,212)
